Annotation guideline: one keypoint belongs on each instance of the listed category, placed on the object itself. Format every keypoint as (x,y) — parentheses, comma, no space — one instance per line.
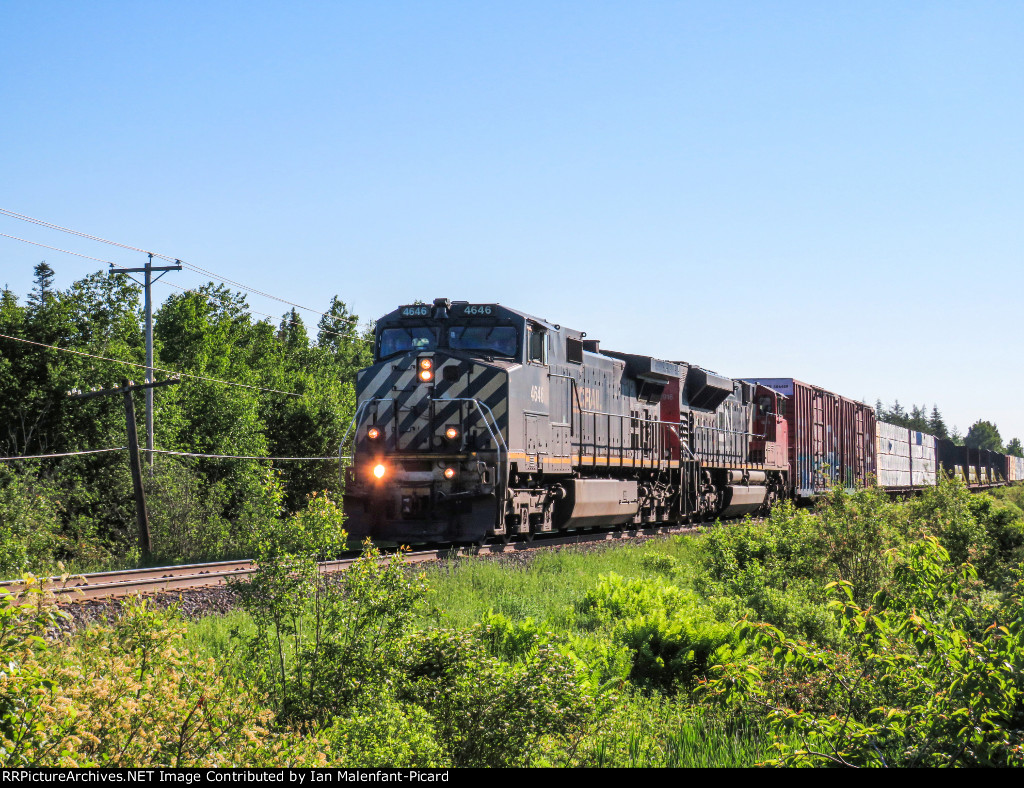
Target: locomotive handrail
(354,424)
(729,432)
(623,417)
(496,436)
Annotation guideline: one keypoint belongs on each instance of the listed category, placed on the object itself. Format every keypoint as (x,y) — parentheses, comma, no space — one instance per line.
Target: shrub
(321,642)
(32,716)
(660,563)
(918,688)
(129,695)
(946,511)
(488,712)
(185,515)
(850,536)
(387,734)
(29,528)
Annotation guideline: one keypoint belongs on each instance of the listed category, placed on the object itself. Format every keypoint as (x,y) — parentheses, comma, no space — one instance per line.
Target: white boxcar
(906,458)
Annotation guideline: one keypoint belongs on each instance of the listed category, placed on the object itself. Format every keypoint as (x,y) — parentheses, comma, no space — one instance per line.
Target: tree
(292,332)
(1015,449)
(338,332)
(984,435)
(936,426)
(44,285)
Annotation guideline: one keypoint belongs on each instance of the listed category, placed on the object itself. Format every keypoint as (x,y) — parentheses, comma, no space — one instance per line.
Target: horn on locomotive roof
(441,306)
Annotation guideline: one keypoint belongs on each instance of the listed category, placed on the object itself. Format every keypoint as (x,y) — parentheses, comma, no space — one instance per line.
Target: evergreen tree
(936,426)
(292,332)
(338,332)
(1015,449)
(918,421)
(43,285)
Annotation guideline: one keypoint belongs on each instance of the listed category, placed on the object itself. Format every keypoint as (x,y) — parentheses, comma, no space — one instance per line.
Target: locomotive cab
(430,431)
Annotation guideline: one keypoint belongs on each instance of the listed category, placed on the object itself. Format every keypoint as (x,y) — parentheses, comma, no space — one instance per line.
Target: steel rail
(155,580)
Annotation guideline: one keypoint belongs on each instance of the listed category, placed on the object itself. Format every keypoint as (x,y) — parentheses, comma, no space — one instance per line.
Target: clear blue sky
(828,191)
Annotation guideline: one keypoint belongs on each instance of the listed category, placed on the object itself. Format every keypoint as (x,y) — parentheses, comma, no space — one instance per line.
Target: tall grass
(461,591)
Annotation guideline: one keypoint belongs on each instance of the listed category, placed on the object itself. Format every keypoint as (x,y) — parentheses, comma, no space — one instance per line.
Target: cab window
(538,345)
(496,340)
(406,338)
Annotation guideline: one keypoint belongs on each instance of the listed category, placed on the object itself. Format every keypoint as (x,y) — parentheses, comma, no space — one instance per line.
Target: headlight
(379,471)
(449,473)
(451,433)
(373,433)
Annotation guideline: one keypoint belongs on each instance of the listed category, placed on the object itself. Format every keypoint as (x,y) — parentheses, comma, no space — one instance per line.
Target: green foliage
(947,512)
(321,643)
(652,730)
(774,571)
(186,519)
(488,712)
(852,532)
(386,734)
(919,687)
(29,525)
(197,507)
(765,570)
(984,435)
(27,692)
(671,639)
(1014,448)
(660,563)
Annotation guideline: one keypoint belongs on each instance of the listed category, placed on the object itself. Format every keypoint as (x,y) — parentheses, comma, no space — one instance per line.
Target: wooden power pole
(149,269)
(126,388)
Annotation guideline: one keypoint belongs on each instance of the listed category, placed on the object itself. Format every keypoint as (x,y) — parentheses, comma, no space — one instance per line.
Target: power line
(261,314)
(155,369)
(169,284)
(333,458)
(54,248)
(190,266)
(65,454)
(50,226)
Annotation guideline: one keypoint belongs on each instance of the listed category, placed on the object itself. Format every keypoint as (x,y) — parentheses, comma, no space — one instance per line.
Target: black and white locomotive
(477,421)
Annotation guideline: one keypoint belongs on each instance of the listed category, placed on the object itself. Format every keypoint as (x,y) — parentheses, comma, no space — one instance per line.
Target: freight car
(478,422)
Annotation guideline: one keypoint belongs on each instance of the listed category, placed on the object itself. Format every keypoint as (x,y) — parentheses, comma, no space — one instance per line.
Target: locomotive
(477,422)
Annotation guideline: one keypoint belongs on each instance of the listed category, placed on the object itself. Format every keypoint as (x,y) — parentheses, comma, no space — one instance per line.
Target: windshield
(499,340)
(400,340)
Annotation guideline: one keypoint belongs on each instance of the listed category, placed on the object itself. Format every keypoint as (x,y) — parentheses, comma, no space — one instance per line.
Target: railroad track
(155,580)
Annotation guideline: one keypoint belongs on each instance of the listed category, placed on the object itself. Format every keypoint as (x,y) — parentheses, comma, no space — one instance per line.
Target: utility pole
(126,388)
(148,270)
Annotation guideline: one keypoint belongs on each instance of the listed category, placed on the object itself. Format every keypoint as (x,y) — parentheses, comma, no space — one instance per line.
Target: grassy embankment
(866,632)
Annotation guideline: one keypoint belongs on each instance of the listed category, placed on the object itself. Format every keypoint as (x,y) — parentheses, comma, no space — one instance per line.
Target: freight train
(478,422)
